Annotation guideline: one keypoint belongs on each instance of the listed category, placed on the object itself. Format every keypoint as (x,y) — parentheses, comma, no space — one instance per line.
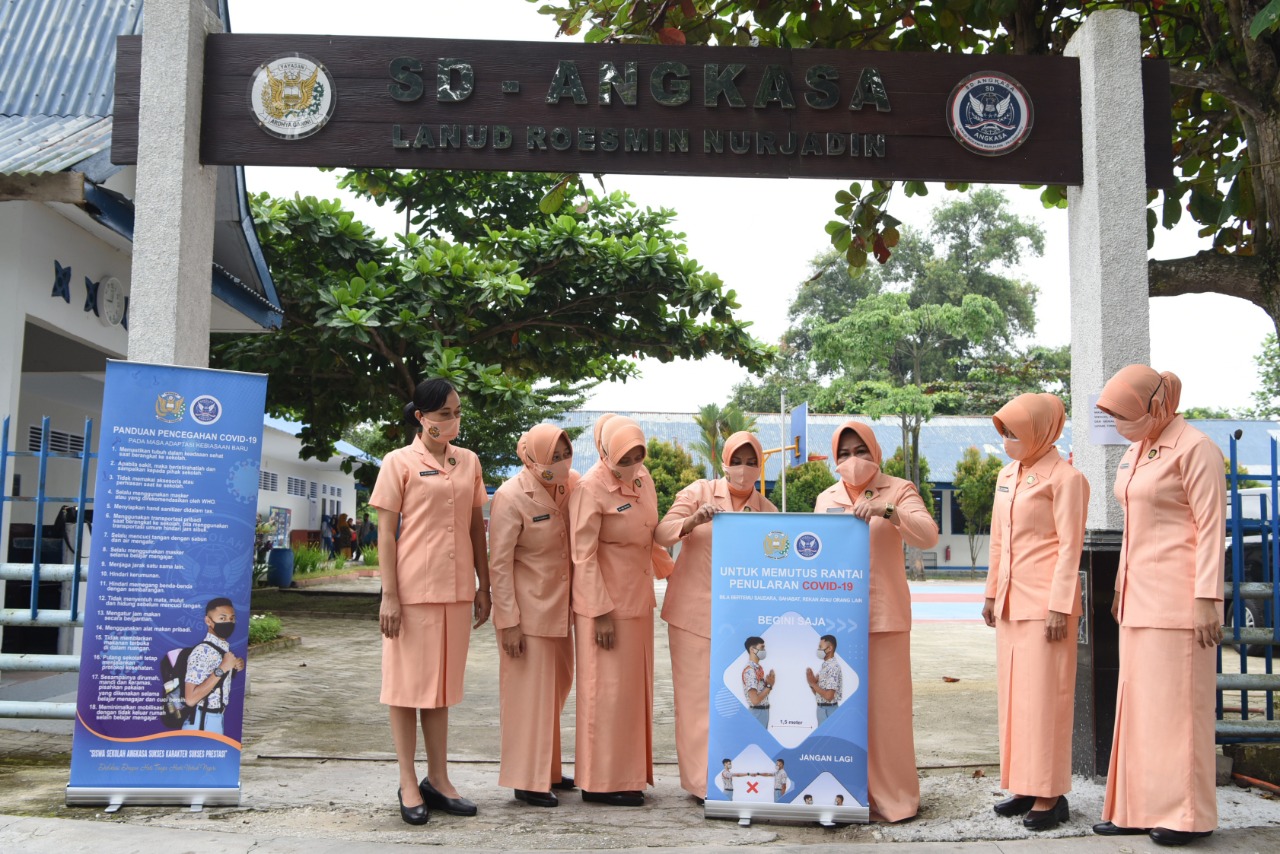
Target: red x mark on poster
(753,788)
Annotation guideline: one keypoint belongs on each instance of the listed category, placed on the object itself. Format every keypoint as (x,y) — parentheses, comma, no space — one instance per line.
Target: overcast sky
(759,235)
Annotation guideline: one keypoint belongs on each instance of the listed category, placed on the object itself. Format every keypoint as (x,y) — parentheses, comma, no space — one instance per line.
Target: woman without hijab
(1033,602)
(529,568)
(613,512)
(687,604)
(896,514)
(1168,602)
(435,582)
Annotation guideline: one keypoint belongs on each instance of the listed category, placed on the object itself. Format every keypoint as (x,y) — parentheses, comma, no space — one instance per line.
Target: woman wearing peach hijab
(1168,602)
(529,569)
(896,514)
(613,512)
(1033,602)
(687,605)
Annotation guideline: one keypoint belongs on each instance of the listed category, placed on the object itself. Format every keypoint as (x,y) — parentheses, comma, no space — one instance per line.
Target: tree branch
(1209,272)
(1242,97)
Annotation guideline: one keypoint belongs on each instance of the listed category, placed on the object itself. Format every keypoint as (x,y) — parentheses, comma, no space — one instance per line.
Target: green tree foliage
(1224,66)
(672,469)
(718,424)
(805,483)
(1266,400)
(975,492)
(896,466)
(522,322)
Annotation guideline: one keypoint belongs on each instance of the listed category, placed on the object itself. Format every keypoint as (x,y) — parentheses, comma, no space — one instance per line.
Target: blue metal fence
(1252,603)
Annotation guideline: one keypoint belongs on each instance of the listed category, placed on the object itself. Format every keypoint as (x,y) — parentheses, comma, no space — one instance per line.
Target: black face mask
(224,630)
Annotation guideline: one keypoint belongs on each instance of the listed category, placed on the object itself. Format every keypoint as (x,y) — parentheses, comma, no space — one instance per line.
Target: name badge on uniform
(1124,465)
(624,507)
(427,473)
(835,509)
(1002,489)
(544,517)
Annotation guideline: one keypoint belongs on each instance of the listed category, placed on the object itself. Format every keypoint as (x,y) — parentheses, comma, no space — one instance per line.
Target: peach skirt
(691,678)
(893,786)
(614,740)
(1163,770)
(532,691)
(422,668)
(1036,704)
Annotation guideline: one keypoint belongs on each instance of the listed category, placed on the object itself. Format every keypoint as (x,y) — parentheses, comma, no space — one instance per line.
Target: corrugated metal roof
(39,144)
(60,55)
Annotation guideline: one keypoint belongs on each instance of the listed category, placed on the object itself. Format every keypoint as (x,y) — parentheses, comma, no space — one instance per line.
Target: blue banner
(159,709)
(795,586)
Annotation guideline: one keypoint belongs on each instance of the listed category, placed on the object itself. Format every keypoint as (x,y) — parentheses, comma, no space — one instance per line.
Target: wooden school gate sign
(280,100)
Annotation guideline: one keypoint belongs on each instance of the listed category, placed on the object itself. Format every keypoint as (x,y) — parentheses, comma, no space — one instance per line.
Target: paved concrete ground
(318,775)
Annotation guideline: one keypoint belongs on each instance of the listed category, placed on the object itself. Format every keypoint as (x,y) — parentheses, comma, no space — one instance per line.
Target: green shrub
(804,484)
(369,556)
(263,628)
(340,562)
(307,559)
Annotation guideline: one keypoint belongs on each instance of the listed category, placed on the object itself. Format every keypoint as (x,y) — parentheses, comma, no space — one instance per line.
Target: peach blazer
(1174,497)
(890,605)
(529,562)
(1037,533)
(611,535)
(687,604)
(434,498)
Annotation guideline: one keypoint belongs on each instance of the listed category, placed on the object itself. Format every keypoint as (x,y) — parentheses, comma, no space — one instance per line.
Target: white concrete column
(1107,224)
(173,232)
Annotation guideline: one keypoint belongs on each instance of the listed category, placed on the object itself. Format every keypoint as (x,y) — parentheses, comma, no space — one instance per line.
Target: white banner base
(825,815)
(118,796)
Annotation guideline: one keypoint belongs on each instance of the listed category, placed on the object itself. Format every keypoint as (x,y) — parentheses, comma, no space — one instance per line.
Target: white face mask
(442,431)
(742,478)
(760,654)
(822,653)
(857,471)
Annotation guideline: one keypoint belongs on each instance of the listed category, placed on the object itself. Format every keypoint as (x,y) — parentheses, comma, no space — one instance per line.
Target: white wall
(280,457)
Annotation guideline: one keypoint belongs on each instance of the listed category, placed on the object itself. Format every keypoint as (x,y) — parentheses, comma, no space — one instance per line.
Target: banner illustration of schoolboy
(788,729)
(160,704)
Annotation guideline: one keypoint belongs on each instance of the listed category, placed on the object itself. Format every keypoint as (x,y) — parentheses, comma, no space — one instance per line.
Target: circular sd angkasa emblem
(989,113)
(292,96)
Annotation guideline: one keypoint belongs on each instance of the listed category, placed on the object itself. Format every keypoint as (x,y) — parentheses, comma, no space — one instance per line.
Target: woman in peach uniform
(435,583)
(1033,602)
(529,568)
(1168,602)
(613,512)
(896,514)
(687,604)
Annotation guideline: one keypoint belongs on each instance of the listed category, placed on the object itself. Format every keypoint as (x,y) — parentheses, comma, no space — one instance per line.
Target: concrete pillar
(1110,328)
(1107,224)
(173,232)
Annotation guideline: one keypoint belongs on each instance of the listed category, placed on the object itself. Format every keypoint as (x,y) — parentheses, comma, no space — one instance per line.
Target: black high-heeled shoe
(453,806)
(1050,818)
(413,815)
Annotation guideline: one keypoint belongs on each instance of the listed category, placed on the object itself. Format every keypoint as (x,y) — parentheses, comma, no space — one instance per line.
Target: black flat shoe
(565,784)
(537,799)
(437,801)
(614,799)
(1017,805)
(1165,836)
(702,802)
(413,815)
(1050,818)
(1109,829)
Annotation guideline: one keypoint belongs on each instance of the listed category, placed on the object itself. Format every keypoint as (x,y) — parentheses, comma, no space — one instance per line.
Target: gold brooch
(1031,479)
(637,483)
(870,493)
(452,461)
(1153,453)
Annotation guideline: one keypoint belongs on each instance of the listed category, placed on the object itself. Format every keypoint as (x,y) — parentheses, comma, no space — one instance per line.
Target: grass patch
(369,556)
(307,560)
(263,628)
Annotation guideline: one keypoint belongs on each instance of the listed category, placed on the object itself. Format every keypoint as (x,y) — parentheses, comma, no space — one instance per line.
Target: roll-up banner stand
(160,706)
(796,583)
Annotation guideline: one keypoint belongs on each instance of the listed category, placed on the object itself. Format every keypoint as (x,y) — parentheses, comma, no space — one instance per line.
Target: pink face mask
(1134,431)
(442,431)
(553,472)
(742,478)
(1015,449)
(626,474)
(856,471)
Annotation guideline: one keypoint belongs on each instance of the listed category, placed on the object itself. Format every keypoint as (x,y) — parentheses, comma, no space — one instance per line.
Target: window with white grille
(60,442)
(296,486)
(268,481)
(312,494)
